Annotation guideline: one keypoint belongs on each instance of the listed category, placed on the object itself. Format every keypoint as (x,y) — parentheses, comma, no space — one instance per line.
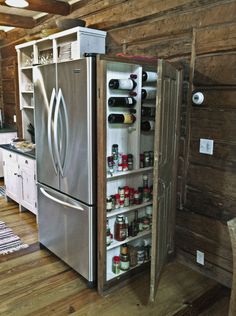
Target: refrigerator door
(66,227)
(75,121)
(45,103)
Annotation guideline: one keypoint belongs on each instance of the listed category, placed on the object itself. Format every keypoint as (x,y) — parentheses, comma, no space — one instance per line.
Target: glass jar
(116,265)
(109,204)
(130,162)
(133,256)
(124,262)
(145,181)
(120,228)
(146,159)
(140,255)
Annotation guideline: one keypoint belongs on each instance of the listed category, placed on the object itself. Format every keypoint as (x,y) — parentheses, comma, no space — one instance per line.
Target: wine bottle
(149,93)
(149,76)
(147,126)
(126,118)
(126,102)
(198,98)
(122,84)
(148,111)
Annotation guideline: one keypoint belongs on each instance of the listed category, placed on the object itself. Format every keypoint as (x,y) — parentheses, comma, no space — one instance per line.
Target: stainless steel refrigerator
(65,153)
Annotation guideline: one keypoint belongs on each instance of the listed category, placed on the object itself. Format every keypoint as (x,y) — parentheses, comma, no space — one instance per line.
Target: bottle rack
(130,140)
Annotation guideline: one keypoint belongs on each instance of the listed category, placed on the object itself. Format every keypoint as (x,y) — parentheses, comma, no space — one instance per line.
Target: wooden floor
(34,282)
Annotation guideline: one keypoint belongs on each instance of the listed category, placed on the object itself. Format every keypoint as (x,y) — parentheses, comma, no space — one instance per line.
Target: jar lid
(116,259)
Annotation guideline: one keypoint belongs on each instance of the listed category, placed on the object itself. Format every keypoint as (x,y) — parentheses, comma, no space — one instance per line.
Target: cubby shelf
(119,243)
(127,209)
(111,275)
(128,173)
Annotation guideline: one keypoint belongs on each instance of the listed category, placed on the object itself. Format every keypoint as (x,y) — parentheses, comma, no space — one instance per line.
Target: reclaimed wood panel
(232,231)
(210,204)
(174,24)
(205,227)
(222,98)
(215,70)
(213,252)
(216,38)
(212,180)
(217,125)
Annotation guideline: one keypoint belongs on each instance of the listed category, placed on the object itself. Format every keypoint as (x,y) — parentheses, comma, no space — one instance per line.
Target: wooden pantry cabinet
(140,191)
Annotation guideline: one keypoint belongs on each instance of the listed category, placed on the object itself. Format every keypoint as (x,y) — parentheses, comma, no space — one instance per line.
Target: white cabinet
(59,47)
(20,179)
(5,138)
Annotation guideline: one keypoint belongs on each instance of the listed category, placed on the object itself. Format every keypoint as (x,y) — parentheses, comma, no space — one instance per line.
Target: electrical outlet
(200,257)
(14,118)
(206,146)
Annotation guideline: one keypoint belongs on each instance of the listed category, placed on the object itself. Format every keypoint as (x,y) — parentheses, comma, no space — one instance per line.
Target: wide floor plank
(35,282)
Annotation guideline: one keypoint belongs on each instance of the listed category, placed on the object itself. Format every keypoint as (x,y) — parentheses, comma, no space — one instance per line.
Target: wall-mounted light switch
(14,118)
(206,146)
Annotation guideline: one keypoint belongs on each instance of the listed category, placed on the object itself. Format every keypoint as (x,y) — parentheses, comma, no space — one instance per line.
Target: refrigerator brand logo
(76,71)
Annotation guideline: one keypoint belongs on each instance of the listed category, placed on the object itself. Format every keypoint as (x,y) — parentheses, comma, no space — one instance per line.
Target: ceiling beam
(16,21)
(47,6)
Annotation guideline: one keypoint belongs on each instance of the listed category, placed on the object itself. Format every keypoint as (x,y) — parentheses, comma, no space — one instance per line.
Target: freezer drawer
(67,231)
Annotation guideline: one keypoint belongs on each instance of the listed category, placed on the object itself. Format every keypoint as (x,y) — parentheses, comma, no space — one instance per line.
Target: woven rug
(2,191)
(9,242)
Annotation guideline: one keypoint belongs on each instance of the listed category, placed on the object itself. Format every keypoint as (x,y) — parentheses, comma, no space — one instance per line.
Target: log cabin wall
(199,36)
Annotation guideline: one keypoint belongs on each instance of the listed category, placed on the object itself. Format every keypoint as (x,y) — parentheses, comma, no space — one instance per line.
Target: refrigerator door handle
(59,96)
(49,196)
(66,129)
(53,96)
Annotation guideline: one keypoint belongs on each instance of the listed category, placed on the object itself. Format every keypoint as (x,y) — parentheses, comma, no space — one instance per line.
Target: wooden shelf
(30,92)
(128,173)
(127,209)
(115,244)
(26,68)
(28,107)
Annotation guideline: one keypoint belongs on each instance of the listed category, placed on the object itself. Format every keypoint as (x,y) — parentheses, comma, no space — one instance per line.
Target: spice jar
(120,228)
(136,198)
(151,156)
(145,181)
(109,204)
(131,196)
(133,256)
(140,255)
(130,162)
(108,235)
(146,159)
(124,262)
(117,200)
(146,195)
(124,249)
(115,151)
(146,223)
(141,162)
(116,264)
(110,163)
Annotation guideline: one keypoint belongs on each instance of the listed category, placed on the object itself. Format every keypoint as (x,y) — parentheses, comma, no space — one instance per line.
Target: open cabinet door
(165,164)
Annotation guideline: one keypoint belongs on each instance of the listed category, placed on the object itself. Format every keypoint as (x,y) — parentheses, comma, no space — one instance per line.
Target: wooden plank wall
(200,36)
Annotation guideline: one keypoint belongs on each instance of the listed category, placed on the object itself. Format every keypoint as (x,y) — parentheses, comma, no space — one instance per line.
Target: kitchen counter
(7,130)
(30,154)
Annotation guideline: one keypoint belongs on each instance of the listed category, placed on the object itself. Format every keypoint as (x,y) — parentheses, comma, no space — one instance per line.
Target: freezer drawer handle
(77,207)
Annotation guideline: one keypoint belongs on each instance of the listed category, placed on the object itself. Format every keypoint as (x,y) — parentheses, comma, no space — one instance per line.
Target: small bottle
(120,228)
(141,162)
(146,159)
(145,181)
(149,93)
(116,265)
(125,118)
(109,204)
(127,102)
(147,126)
(122,84)
(149,76)
(108,235)
(130,162)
